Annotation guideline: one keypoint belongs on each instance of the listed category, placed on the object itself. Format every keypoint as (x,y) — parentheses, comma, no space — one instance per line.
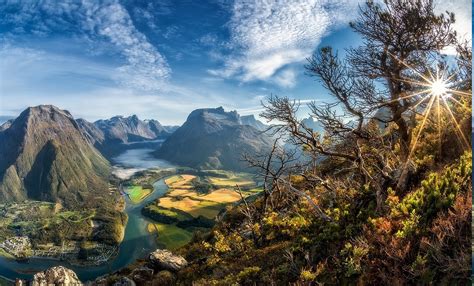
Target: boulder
(57,275)
(166,260)
(142,274)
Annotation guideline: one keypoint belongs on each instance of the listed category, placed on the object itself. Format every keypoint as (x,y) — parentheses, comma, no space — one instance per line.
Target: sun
(439,87)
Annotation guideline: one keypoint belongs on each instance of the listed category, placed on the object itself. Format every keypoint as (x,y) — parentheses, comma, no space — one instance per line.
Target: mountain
(131,129)
(252,121)
(5,125)
(313,124)
(45,156)
(213,138)
(112,136)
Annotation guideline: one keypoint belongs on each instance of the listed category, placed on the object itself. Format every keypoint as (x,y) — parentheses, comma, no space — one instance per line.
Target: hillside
(213,138)
(46,157)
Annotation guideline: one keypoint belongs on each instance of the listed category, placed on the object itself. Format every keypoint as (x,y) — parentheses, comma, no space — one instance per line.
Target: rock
(165,259)
(125,281)
(142,274)
(20,282)
(57,275)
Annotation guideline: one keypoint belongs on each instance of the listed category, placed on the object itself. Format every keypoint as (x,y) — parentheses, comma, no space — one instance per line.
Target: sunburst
(435,95)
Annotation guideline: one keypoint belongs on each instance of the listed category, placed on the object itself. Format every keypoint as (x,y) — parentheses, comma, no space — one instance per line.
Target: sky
(163,59)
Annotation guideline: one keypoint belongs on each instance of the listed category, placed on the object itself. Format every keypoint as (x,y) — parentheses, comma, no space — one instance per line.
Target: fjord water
(137,243)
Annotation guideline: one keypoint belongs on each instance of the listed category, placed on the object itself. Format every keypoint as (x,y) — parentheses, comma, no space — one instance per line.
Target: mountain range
(112,136)
(213,138)
(45,154)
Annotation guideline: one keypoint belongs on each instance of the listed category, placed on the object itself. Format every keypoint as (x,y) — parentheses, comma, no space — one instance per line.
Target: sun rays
(434,95)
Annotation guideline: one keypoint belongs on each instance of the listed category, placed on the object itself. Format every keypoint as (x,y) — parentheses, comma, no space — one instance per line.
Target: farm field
(137,193)
(170,235)
(194,201)
(186,194)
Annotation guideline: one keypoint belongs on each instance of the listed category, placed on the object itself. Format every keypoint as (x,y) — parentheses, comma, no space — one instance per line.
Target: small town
(18,246)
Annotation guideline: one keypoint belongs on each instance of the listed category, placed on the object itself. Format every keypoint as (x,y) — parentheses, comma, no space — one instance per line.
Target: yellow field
(181,193)
(222,196)
(231,181)
(180,181)
(193,207)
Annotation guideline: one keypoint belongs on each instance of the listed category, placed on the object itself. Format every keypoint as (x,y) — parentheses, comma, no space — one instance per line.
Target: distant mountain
(131,129)
(252,121)
(45,156)
(4,118)
(313,124)
(213,138)
(6,125)
(111,136)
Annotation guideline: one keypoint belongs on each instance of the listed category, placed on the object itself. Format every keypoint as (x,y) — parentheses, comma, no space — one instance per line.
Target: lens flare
(434,93)
(439,87)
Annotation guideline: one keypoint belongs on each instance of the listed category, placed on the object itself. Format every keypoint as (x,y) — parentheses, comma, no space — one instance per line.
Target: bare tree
(372,86)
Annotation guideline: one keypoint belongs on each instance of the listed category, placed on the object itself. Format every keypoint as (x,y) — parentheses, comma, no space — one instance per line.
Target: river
(137,243)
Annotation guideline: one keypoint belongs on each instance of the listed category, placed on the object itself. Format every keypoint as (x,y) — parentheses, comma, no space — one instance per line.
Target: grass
(5,254)
(171,236)
(168,212)
(137,193)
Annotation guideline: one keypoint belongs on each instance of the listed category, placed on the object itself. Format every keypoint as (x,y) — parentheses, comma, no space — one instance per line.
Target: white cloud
(463,13)
(286,78)
(145,68)
(268,35)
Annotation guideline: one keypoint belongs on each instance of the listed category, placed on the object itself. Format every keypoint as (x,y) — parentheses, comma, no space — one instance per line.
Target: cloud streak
(267,36)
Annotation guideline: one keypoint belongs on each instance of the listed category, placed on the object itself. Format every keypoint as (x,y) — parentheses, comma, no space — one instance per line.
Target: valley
(96,197)
(163,205)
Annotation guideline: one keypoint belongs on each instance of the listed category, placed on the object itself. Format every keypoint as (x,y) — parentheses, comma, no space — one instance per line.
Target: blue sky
(163,59)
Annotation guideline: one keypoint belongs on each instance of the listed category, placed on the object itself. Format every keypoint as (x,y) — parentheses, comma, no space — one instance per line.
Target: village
(20,247)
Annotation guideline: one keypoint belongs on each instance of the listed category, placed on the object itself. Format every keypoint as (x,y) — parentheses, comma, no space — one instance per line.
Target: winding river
(137,241)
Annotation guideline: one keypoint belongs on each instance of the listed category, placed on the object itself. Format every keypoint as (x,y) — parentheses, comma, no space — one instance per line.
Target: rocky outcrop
(58,275)
(160,268)
(166,260)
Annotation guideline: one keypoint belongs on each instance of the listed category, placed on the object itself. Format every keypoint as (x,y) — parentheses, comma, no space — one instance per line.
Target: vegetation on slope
(389,200)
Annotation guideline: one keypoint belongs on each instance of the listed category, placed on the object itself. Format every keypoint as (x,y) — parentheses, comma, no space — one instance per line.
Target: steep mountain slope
(252,121)
(213,138)
(45,156)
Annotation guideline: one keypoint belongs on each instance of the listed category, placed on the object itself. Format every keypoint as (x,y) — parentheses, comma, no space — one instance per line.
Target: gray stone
(165,259)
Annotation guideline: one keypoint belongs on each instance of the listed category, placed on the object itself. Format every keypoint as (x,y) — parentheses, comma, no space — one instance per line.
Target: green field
(171,236)
(137,193)
(168,212)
